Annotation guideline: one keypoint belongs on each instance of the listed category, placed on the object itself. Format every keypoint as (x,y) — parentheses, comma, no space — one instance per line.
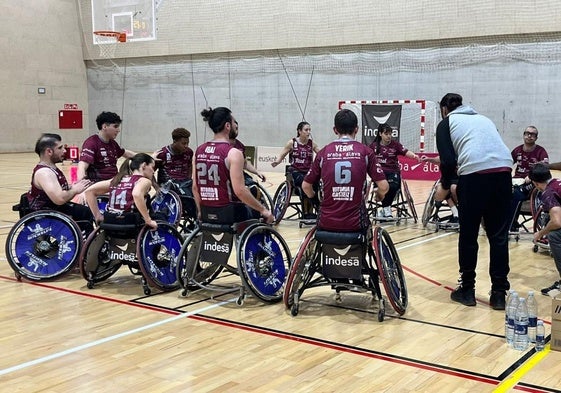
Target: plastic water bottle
(520,341)
(508,299)
(510,310)
(540,336)
(532,305)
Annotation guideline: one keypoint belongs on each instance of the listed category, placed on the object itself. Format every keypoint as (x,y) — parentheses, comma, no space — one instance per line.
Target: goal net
(413,121)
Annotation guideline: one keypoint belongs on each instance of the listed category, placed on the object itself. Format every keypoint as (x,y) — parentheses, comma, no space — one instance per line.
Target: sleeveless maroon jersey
(102,157)
(387,155)
(175,166)
(551,196)
(120,196)
(525,160)
(212,174)
(342,166)
(37,198)
(301,156)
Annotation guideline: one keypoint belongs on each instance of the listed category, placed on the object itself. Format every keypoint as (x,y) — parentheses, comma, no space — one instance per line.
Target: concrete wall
(41,47)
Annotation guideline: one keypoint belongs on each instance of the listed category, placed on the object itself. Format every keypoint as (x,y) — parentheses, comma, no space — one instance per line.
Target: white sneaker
(387,212)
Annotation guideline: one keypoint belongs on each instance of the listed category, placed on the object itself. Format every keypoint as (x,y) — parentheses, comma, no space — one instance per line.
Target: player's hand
(261,176)
(268,216)
(152,224)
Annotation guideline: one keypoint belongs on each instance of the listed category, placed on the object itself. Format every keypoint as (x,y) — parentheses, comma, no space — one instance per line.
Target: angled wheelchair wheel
(535,202)
(430,207)
(410,202)
(390,270)
(167,207)
(102,202)
(281,201)
(43,245)
(157,252)
(301,271)
(192,273)
(262,196)
(96,259)
(263,262)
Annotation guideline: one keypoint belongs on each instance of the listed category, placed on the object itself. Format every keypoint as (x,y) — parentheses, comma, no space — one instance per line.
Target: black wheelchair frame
(403,205)
(378,261)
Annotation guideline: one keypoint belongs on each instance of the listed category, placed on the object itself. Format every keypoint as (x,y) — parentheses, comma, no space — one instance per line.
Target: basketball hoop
(107,41)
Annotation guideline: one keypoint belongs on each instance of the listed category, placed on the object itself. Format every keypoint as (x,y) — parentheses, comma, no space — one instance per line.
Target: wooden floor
(60,336)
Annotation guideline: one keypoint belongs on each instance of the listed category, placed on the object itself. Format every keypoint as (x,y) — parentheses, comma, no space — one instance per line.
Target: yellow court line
(517,375)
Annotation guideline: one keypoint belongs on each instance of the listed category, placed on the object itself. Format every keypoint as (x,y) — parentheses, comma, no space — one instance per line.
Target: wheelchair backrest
(122,226)
(342,254)
(216,244)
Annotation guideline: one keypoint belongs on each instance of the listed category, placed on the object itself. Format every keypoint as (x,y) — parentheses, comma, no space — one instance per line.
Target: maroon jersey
(525,160)
(387,155)
(301,156)
(240,146)
(102,157)
(342,166)
(551,196)
(120,196)
(37,198)
(212,174)
(174,166)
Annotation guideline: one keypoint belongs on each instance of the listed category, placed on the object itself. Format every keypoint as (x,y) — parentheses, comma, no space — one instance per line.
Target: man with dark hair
(218,182)
(99,155)
(342,166)
(49,187)
(175,161)
(470,143)
(540,175)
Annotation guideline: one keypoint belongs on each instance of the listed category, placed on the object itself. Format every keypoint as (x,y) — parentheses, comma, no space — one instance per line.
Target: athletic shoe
(463,295)
(556,285)
(388,212)
(497,300)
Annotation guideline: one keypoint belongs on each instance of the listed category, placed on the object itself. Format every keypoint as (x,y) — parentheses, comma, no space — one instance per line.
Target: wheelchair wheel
(535,202)
(157,252)
(96,263)
(263,262)
(281,201)
(43,245)
(301,271)
(102,202)
(410,202)
(192,273)
(390,270)
(262,196)
(430,207)
(167,207)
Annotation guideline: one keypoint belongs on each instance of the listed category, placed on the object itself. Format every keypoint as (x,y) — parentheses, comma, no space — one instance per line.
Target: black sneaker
(463,295)
(497,300)
(556,285)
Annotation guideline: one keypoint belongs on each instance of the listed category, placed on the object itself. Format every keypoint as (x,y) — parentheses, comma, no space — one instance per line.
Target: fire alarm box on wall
(69,119)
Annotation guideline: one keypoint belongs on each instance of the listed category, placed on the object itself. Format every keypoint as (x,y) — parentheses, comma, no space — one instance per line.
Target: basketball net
(107,46)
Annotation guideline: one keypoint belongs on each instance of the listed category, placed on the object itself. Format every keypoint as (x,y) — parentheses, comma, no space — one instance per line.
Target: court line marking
(110,338)
(512,381)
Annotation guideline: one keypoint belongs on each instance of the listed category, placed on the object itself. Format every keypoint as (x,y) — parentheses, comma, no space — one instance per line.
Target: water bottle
(520,341)
(511,310)
(532,305)
(508,300)
(540,336)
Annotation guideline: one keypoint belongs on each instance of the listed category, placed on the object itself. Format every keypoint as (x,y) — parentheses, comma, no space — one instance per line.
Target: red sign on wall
(69,119)
(413,170)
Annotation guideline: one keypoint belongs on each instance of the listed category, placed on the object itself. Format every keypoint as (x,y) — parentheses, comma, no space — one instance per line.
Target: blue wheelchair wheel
(263,262)
(43,245)
(390,270)
(157,252)
(281,201)
(167,207)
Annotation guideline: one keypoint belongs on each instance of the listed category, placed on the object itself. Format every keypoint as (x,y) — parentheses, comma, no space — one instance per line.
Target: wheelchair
(125,240)
(43,244)
(175,206)
(348,261)
(403,205)
(541,218)
(262,257)
(437,213)
(288,203)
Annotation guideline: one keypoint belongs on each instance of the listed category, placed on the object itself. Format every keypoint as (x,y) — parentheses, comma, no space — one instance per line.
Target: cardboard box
(556,323)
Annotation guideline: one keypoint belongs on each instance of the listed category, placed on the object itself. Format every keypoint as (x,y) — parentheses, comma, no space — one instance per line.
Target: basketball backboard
(134,17)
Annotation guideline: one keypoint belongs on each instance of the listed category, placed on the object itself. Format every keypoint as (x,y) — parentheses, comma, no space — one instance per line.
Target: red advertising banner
(413,170)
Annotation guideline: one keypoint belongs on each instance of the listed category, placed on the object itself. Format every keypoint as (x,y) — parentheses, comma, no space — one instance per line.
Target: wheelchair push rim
(43,245)
(390,270)
(263,262)
(95,260)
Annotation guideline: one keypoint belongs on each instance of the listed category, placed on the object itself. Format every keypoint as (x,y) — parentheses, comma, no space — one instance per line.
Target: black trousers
(484,199)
